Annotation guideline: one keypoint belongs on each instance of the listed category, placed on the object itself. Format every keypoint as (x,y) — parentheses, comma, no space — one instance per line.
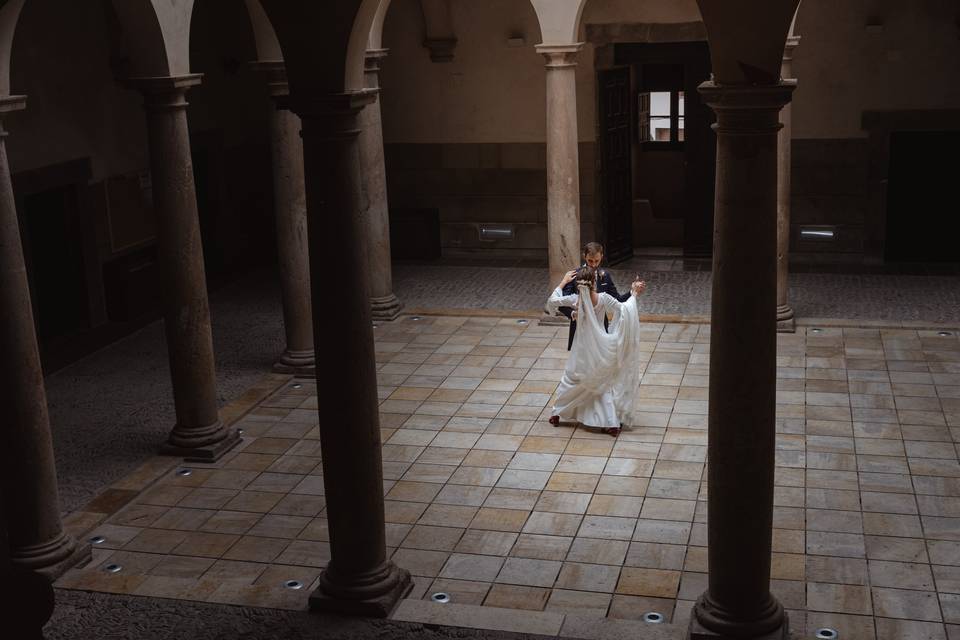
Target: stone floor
(672,290)
(534,528)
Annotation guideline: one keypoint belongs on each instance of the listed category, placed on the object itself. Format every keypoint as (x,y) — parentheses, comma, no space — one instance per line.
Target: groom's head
(592,254)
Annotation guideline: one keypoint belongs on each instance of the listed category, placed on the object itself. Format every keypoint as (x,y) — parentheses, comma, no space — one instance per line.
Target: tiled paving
(532,527)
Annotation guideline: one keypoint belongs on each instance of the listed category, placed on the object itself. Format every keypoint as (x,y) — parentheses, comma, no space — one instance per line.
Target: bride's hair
(587,277)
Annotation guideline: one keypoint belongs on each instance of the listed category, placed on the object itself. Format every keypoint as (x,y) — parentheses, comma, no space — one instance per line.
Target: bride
(603,370)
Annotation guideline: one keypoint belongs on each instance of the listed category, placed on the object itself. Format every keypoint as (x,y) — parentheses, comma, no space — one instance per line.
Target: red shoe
(554,420)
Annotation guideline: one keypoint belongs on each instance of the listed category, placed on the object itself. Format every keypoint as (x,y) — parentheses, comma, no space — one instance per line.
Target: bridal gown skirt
(598,412)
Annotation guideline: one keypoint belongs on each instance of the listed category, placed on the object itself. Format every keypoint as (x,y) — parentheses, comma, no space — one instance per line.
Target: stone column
(785,320)
(740,455)
(32,502)
(358,579)
(199,434)
(290,210)
(376,215)
(563,164)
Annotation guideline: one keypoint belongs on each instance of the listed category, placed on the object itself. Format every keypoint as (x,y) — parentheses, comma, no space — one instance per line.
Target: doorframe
(76,174)
(604,38)
(879,126)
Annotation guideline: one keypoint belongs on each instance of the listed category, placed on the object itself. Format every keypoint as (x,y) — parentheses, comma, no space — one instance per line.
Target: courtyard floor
(543,529)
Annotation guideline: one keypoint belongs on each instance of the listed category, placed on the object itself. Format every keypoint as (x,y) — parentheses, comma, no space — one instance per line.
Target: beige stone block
(658,583)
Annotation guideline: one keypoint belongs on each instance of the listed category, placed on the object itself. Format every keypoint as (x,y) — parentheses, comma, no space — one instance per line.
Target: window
(660,116)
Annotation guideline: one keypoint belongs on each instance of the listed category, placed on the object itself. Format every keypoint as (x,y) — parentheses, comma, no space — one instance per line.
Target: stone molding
(560,55)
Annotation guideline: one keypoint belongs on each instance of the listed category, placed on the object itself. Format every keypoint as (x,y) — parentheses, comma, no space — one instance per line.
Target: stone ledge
(479,617)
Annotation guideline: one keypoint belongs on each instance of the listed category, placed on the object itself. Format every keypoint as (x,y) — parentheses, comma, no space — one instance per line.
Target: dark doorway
(616,194)
(53,249)
(674,149)
(923,222)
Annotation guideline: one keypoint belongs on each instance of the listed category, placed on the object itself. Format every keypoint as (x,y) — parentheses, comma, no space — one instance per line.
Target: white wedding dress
(603,370)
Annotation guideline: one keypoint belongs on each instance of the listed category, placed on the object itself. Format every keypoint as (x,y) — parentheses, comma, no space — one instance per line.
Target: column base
(51,559)
(547,320)
(374,607)
(297,363)
(786,323)
(698,632)
(385,307)
(204,452)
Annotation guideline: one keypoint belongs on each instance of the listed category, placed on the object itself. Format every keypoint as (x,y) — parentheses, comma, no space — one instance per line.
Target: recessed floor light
(184,472)
(113,568)
(293,584)
(440,597)
(826,633)
(97,540)
(653,617)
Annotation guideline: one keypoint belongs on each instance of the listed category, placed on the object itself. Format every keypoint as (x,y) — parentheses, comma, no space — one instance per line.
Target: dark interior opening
(923,218)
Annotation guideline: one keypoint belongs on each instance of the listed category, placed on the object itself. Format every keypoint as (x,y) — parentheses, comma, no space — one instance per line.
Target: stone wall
(471,184)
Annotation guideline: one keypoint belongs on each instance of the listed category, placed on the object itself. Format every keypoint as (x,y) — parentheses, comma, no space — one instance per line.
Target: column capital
(372,58)
(332,105)
(371,67)
(12,103)
(276,72)
(163,93)
(331,117)
(560,55)
(9,104)
(792,43)
(747,109)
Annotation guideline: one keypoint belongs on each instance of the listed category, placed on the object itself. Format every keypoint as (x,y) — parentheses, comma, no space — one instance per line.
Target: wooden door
(616,202)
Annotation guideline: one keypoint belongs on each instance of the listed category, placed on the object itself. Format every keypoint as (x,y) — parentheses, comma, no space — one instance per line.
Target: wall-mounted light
(819,234)
(496,232)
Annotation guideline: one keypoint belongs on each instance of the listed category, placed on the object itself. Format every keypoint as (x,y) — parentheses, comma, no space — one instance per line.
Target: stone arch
(9,14)
(156,35)
(314,38)
(268,46)
(559,20)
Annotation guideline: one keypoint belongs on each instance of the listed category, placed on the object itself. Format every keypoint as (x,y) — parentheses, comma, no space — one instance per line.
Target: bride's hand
(569,277)
(638,287)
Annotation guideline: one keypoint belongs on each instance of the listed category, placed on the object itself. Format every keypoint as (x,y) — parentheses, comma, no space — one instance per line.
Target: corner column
(741,426)
(376,212)
(31,498)
(359,579)
(786,322)
(198,434)
(290,211)
(563,161)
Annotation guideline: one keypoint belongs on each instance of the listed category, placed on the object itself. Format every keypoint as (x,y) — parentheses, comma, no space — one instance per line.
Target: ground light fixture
(944,333)
(113,568)
(97,540)
(826,633)
(297,385)
(293,584)
(653,617)
(184,472)
(440,597)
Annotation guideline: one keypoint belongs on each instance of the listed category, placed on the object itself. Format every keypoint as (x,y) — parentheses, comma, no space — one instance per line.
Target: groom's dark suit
(604,285)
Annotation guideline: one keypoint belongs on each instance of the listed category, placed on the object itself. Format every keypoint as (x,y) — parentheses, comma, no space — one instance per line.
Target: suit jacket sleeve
(612,289)
(569,289)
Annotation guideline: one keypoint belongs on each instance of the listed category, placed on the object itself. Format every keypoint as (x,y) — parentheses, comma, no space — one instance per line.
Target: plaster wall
(910,62)
(62,62)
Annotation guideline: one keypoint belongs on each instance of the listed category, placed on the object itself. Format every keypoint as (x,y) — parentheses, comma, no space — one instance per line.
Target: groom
(592,254)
